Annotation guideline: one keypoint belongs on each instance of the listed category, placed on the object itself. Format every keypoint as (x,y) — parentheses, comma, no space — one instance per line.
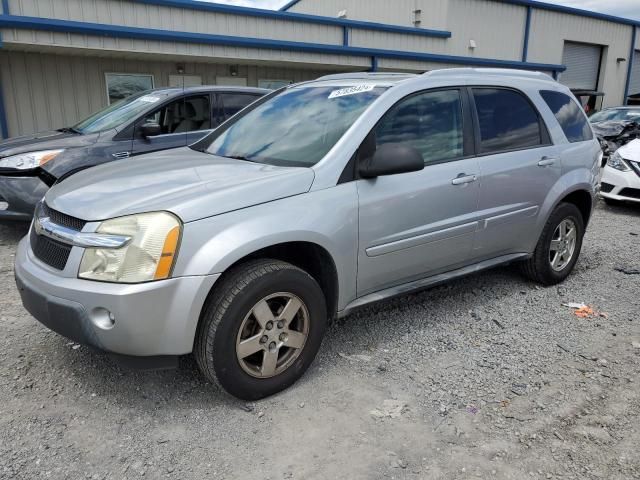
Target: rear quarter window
(570,116)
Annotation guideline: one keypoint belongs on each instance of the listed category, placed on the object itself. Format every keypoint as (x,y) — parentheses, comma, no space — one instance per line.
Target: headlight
(149,255)
(616,161)
(27,161)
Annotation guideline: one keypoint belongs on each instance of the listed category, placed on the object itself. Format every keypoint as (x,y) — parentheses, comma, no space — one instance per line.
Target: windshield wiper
(239,157)
(69,130)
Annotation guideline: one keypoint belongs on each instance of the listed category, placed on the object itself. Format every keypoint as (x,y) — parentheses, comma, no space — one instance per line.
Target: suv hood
(190,184)
(45,141)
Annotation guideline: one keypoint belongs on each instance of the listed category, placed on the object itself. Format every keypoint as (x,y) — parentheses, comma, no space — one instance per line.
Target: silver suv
(317,199)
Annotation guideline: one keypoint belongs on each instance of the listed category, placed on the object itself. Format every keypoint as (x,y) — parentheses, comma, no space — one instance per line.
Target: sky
(622,8)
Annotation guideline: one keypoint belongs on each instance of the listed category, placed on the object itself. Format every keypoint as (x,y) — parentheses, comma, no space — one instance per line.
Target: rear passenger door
(518,167)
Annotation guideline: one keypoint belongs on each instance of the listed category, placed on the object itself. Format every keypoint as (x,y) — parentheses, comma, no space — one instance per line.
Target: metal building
(60,60)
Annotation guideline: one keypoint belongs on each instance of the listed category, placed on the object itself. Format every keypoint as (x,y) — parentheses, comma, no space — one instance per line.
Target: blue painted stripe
(296,17)
(632,54)
(527,33)
(119,31)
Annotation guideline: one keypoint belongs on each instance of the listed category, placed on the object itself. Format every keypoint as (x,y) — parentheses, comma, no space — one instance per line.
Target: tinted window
(507,120)
(569,115)
(184,115)
(430,122)
(232,103)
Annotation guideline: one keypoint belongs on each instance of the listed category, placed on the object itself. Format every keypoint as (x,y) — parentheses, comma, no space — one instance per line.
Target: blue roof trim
(120,31)
(572,11)
(287,6)
(297,17)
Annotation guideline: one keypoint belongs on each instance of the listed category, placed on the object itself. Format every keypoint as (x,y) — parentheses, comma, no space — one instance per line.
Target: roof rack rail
(365,75)
(512,72)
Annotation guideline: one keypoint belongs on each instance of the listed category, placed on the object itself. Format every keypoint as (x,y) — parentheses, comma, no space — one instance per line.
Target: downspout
(4,127)
(527,31)
(632,53)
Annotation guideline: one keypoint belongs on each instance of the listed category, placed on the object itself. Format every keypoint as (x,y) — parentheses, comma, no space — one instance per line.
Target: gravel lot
(487,377)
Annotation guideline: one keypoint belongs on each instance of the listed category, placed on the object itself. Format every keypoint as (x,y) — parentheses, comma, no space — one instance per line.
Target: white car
(621,175)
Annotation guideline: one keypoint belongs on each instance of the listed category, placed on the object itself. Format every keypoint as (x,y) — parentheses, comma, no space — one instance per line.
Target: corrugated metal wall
(44,91)
(549,31)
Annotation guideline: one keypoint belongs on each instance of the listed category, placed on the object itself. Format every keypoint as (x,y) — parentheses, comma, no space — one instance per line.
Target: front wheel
(261,329)
(558,248)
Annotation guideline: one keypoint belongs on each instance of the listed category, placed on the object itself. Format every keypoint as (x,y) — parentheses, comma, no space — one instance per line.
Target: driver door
(417,224)
(182,121)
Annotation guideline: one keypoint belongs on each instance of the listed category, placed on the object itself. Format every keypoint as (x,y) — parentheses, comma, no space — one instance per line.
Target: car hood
(631,151)
(191,184)
(45,141)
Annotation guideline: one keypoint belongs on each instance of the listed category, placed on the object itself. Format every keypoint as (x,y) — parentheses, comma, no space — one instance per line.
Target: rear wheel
(261,329)
(558,248)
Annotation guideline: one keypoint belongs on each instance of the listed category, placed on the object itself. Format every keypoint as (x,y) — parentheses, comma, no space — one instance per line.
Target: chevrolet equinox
(317,199)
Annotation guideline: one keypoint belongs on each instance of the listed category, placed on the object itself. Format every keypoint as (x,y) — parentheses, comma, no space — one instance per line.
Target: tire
(235,312)
(539,267)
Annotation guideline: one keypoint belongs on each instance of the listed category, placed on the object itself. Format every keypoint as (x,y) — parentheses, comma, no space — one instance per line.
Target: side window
(232,103)
(569,115)
(430,122)
(182,115)
(507,120)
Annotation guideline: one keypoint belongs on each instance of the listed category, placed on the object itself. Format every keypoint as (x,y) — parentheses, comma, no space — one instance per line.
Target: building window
(123,85)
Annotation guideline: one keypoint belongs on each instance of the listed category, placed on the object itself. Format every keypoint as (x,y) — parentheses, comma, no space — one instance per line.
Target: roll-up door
(634,85)
(583,65)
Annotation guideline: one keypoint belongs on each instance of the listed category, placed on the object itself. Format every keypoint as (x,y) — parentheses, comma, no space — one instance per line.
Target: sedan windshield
(616,114)
(298,127)
(120,112)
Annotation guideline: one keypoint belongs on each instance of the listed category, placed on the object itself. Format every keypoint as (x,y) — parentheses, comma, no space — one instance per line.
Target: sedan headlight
(149,255)
(616,161)
(27,161)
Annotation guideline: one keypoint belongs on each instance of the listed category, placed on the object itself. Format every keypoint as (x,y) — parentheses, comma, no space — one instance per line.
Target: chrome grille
(61,218)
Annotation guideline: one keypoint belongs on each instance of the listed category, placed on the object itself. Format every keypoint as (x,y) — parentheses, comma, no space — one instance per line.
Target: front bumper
(150,319)
(623,182)
(22,195)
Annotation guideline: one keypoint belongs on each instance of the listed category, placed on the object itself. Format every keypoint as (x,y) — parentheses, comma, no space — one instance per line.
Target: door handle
(546,162)
(463,179)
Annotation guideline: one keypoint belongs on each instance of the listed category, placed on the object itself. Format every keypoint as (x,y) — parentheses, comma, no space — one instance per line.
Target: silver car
(317,199)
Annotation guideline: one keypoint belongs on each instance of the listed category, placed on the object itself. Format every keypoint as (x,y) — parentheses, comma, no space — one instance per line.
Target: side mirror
(390,159)
(150,129)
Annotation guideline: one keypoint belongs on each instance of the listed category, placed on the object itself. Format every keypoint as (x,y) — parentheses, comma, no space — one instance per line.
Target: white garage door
(583,65)
(634,85)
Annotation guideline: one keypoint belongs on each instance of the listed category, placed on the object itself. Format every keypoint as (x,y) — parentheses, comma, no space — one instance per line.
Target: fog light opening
(103,318)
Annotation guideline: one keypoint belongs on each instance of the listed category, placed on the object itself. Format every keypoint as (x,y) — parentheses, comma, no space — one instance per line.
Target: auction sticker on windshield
(149,99)
(351,91)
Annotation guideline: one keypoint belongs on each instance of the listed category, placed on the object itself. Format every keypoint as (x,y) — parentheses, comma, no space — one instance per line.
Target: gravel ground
(488,377)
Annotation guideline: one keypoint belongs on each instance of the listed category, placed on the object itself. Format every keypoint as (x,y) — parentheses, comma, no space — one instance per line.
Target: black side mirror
(390,159)
(150,129)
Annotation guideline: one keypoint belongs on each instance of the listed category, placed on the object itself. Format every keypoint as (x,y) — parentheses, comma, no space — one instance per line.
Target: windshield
(119,112)
(614,114)
(297,127)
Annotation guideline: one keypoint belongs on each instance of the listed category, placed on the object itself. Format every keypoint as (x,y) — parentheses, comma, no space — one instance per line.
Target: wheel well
(582,200)
(311,258)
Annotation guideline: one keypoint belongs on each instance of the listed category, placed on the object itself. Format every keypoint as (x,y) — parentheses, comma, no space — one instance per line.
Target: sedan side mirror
(150,129)
(390,159)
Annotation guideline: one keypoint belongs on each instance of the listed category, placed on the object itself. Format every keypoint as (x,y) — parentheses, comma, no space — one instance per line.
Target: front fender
(327,218)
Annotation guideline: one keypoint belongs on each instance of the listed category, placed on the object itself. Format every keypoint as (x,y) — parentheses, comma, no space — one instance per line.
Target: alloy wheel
(272,335)
(563,245)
